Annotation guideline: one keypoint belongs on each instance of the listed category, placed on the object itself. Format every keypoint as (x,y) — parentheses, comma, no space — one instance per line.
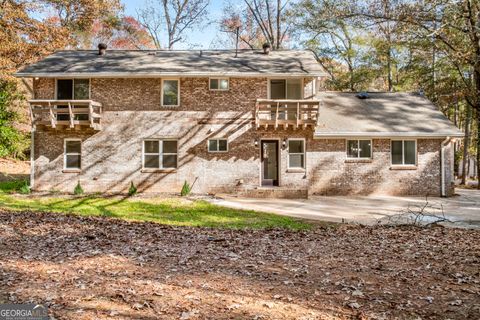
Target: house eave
(426,135)
(161,75)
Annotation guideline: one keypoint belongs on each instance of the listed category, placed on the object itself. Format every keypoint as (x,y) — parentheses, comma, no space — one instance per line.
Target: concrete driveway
(463,210)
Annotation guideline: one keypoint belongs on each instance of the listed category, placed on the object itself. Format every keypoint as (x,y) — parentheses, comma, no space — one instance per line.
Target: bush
(78,189)
(186,189)
(13,143)
(25,188)
(132,190)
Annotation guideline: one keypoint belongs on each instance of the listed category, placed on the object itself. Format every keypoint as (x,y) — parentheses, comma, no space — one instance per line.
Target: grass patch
(171,211)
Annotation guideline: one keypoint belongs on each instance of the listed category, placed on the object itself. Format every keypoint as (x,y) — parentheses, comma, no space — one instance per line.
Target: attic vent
(362,95)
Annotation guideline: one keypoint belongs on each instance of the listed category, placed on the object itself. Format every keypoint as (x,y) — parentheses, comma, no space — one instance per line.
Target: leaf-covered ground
(104,268)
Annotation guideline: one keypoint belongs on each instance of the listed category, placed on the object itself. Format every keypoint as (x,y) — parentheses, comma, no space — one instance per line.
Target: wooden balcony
(285,113)
(61,114)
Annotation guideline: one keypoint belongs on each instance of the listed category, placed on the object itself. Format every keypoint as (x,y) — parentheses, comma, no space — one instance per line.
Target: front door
(269,160)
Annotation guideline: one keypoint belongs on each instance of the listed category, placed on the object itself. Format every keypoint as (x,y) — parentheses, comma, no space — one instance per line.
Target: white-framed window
(72,158)
(160,154)
(404,152)
(296,153)
(170,92)
(219,84)
(72,89)
(359,149)
(291,88)
(217,145)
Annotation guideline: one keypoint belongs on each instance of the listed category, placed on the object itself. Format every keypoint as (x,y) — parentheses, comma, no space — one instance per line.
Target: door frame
(279,157)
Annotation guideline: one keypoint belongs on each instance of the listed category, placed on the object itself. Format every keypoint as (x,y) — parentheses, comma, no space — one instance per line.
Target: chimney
(266,48)
(102,49)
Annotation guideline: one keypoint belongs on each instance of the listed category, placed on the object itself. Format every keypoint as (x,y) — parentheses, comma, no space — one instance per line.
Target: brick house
(251,123)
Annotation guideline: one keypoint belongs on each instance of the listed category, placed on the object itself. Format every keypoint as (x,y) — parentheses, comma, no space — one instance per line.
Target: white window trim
(73,87)
(403,153)
(358,141)
(178,93)
(269,95)
(160,154)
(217,151)
(72,154)
(293,153)
(218,78)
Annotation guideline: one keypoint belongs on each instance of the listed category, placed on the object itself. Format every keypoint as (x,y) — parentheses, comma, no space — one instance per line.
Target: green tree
(13,143)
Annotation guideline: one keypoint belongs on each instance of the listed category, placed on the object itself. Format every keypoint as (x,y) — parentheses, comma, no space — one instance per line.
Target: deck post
(71,115)
(53,119)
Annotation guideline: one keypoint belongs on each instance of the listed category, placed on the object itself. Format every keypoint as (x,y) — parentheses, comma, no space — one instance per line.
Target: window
(404,152)
(219,84)
(361,149)
(286,89)
(73,89)
(296,153)
(160,154)
(217,145)
(73,154)
(170,93)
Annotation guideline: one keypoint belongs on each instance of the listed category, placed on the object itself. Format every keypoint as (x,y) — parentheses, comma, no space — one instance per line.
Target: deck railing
(285,113)
(66,113)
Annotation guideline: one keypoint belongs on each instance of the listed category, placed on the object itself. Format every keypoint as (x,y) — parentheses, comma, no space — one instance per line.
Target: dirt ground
(13,169)
(101,268)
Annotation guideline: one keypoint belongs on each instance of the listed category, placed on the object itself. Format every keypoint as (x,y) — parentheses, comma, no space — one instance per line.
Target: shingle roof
(381,115)
(175,63)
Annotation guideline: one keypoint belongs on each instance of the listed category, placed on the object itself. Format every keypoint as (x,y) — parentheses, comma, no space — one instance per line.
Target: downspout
(442,165)
(32,159)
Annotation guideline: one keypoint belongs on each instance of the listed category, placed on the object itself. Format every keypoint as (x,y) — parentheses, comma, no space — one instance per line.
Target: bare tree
(269,16)
(173,17)
(258,21)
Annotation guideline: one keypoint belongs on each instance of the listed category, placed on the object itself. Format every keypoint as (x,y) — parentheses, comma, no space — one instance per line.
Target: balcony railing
(285,113)
(66,113)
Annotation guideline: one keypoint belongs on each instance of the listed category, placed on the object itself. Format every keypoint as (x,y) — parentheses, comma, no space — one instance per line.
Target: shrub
(78,189)
(13,143)
(185,189)
(132,190)
(25,188)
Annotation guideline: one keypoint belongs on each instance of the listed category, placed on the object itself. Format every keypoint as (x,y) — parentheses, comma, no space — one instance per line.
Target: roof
(381,115)
(141,63)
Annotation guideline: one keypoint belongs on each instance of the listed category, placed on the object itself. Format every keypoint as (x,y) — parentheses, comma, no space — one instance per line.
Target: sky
(198,39)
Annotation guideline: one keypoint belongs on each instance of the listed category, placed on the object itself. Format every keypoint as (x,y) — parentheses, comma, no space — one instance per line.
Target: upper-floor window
(76,89)
(404,152)
(72,154)
(217,145)
(361,149)
(286,89)
(171,92)
(219,84)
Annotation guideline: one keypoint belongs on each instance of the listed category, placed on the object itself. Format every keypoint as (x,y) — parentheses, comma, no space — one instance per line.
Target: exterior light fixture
(255,142)
(284,143)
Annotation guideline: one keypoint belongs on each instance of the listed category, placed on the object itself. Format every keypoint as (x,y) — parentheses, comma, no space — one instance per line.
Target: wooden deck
(59,114)
(285,113)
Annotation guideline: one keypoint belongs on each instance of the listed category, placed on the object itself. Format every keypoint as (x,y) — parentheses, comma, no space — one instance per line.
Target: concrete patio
(463,209)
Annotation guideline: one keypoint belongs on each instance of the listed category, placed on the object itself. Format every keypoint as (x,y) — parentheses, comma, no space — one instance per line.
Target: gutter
(163,74)
(321,135)
(32,159)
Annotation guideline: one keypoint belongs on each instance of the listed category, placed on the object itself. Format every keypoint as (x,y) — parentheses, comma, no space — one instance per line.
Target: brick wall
(330,172)
(112,157)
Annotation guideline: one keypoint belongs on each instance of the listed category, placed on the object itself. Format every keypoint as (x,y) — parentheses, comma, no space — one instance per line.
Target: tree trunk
(466,144)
